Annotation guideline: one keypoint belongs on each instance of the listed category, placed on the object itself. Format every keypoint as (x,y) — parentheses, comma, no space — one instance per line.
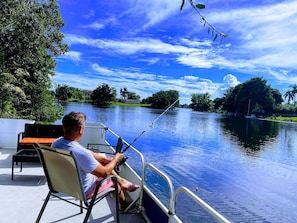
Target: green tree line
(254,96)
(104,95)
(30,40)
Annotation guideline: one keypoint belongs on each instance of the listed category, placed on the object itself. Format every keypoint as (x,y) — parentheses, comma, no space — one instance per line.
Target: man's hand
(103,170)
(119,156)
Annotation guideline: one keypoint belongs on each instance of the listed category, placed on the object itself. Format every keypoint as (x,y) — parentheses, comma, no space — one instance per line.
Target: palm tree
(290,95)
(124,92)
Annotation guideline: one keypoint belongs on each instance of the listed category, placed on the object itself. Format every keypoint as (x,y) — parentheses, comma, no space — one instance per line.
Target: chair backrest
(61,171)
(43,130)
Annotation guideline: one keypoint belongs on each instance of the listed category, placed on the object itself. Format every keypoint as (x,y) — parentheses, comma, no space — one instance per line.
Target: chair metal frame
(53,159)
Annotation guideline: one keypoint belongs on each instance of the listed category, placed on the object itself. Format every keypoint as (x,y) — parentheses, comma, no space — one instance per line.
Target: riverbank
(130,105)
(282,119)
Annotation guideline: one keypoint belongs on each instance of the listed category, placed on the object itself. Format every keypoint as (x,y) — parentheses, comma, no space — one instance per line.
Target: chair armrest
(117,148)
(114,179)
(106,190)
(20,137)
(96,149)
(21,134)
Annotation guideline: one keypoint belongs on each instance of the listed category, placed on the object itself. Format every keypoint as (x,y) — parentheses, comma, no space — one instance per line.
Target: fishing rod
(119,145)
(149,126)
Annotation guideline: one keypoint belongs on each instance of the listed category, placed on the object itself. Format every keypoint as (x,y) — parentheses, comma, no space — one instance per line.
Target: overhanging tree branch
(211,29)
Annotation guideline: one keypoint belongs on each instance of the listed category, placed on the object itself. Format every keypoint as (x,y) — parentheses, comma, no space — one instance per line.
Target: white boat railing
(202,203)
(171,211)
(168,181)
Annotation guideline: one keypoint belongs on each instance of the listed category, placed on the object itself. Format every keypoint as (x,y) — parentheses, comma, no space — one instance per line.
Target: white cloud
(197,55)
(90,14)
(230,81)
(128,46)
(73,56)
(151,61)
(196,59)
(126,74)
(102,70)
(153,11)
(74,80)
(190,56)
(95,25)
(191,78)
(217,90)
(264,35)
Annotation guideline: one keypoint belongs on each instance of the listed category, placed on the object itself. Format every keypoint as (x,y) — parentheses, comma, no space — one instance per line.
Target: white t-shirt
(85,160)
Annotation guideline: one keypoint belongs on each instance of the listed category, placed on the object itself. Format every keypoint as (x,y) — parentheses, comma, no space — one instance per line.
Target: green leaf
(216,36)
(200,6)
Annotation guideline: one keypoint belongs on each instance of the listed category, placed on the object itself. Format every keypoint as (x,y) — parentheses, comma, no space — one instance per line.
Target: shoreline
(283,119)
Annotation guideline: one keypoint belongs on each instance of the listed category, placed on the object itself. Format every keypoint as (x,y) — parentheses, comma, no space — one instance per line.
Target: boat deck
(22,198)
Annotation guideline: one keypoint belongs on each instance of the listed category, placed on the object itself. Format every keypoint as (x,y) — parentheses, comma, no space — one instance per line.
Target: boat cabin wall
(9,130)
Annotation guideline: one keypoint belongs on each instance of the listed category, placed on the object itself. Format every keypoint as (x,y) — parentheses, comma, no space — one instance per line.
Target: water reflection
(251,134)
(208,151)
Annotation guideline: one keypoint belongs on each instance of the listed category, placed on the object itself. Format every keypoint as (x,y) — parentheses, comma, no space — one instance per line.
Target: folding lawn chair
(63,176)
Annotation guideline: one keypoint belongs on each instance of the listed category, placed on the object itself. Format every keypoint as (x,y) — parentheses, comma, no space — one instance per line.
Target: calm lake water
(245,168)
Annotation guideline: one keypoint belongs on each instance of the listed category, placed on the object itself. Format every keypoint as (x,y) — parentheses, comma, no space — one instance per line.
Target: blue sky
(148,46)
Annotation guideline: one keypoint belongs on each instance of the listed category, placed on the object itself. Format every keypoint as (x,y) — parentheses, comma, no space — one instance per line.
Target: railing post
(202,203)
(169,182)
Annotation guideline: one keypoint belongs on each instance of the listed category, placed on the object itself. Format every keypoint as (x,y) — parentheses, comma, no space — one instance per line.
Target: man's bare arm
(100,157)
(105,170)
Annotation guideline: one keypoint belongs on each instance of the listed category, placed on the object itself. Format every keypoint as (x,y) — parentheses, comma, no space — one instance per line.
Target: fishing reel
(118,149)
(117,168)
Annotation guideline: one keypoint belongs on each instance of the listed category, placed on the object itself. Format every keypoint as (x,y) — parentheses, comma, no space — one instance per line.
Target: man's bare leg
(124,203)
(125,184)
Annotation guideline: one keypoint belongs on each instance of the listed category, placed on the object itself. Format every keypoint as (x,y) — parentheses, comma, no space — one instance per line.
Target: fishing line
(149,126)
(120,142)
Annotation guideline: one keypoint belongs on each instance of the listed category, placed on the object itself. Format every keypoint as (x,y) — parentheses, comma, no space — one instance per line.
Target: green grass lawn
(283,119)
(130,105)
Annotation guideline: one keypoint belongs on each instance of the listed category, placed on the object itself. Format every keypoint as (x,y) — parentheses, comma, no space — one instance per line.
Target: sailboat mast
(248,110)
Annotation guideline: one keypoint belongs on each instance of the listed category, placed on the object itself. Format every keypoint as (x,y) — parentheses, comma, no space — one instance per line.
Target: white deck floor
(22,198)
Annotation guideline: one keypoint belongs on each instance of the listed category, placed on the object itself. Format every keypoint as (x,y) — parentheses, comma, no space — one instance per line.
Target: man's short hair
(73,121)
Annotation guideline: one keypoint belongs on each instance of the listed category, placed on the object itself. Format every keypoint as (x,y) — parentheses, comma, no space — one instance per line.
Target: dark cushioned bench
(40,133)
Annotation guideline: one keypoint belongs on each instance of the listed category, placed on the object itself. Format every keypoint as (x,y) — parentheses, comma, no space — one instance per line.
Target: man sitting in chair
(93,166)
